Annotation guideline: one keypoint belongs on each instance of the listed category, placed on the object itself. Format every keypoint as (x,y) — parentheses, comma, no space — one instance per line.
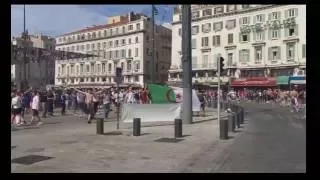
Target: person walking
(106,103)
(74,101)
(44,104)
(35,106)
(81,103)
(50,102)
(16,106)
(63,101)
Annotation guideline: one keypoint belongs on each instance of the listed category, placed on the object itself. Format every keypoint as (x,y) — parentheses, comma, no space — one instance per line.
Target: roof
(124,20)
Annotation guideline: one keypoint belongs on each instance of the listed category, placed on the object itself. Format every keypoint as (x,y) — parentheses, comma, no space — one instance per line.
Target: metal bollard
(178,128)
(224,129)
(231,123)
(136,127)
(100,127)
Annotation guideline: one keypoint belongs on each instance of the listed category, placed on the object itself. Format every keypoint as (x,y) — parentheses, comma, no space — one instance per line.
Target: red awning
(254,82)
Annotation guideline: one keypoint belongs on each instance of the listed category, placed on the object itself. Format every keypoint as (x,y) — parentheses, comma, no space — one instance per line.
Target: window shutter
(218,40)
(270,16)
(263,17)
(240,21)
(270,53)
(214,40)
(286,15)
(279,15)
(296,30)
(270,34)
(296,12)
(279,53)
(254,19)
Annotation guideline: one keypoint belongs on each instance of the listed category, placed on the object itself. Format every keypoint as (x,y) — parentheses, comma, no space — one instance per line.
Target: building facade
(38,72)
(124,41)
(254,40)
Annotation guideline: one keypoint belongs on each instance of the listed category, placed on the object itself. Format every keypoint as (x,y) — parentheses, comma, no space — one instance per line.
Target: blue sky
(56,20)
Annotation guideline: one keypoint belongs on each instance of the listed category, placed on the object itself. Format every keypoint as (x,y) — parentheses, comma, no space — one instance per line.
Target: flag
(161,94)
(155,10)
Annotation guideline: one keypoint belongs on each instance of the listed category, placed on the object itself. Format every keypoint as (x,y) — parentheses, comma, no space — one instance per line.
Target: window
(136,65)
(130,27)
(129,53)
(68,49)
(136,52)
(72,48)
(88,68)
(73,38)
(206,27)
(231,8)
(179,31)
(205,60)
(303,51)
(259,36)
(77,47)
(274,53)
(123,29)
(105,33)
(138,26)
(94,35)
(129,41)
(259,18)
(231,24)
(245,21)
(81,68)
(111,32)
(110,43)
(129,65)
(292,12)
(275,15)
(207,12)
(218,10)
(98,46)
(195,30)
(110,54)
(82,47)
(205,41)
(123,53)
(92,68)
(123,42)
(194,61)
(258,54)
(244,37)
(104,55)
(116,43)
(195,14)
(92,46)
(230,59)
(230,38)
(99,34)
(104,45)
(244,55)
(275,34)
(117,30)
(290,51)
(292,31)
(122,65)
(216,40)
(194,43)
(137,39)
(117,54)
(217,26)
(99,68)
(109,67)
(136,78)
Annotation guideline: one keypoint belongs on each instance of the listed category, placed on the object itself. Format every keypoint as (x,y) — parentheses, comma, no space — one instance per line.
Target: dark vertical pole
(100,127)
(178,128)
(186,64)
(153,51)
(118,105)
(24,80)
(136,127)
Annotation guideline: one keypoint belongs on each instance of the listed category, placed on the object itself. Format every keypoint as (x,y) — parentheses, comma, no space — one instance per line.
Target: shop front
(251,83)
(283,82)
(297,82)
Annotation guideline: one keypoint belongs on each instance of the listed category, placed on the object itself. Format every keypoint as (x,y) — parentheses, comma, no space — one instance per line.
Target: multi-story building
(38,72)
(254,40)
(125,41)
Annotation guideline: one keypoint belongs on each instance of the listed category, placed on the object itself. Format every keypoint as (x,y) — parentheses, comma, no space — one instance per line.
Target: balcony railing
(204,66)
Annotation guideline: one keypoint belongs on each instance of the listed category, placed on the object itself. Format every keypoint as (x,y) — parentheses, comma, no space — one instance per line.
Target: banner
(161,94)
(151,112)
(195,100)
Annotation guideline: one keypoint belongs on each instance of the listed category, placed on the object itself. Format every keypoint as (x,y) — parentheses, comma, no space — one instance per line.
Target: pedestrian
(129,98)
(35,106)
(16,106)
(63,101)
(74,101)
(81,103)
(106,103)
(50,102)
(44,105)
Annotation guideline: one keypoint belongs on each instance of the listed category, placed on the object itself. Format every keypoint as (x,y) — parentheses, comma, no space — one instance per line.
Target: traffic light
(221,64)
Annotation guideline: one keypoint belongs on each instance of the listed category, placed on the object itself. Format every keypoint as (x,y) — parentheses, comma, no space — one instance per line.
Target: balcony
(204,66)
(127,72)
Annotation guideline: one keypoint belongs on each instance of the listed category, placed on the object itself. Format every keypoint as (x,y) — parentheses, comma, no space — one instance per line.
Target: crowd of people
(85,103)
(78,101)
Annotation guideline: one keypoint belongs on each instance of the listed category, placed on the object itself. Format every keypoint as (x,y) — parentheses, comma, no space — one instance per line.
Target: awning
(297,79)
(254,82)
(282,80)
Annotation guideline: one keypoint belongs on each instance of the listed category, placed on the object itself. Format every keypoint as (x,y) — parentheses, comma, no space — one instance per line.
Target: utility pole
(24,63)
(218,103)
(153,49)
(186,65)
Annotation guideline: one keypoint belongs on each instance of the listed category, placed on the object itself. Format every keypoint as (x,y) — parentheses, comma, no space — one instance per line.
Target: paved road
(273,141)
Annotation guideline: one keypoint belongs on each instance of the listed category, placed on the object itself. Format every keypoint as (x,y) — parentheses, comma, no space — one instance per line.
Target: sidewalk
(76,148)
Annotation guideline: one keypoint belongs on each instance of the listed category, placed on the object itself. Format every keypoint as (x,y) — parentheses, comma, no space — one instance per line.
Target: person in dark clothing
(50,103)
(202,101)
(63,103)
(44,104)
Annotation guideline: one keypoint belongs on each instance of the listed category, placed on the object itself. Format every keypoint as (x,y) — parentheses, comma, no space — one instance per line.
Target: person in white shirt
(16,106)
(129,97)
(106,103)
(35,108)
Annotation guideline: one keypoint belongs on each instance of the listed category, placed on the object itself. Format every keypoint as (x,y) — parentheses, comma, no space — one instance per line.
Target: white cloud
(52,19)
